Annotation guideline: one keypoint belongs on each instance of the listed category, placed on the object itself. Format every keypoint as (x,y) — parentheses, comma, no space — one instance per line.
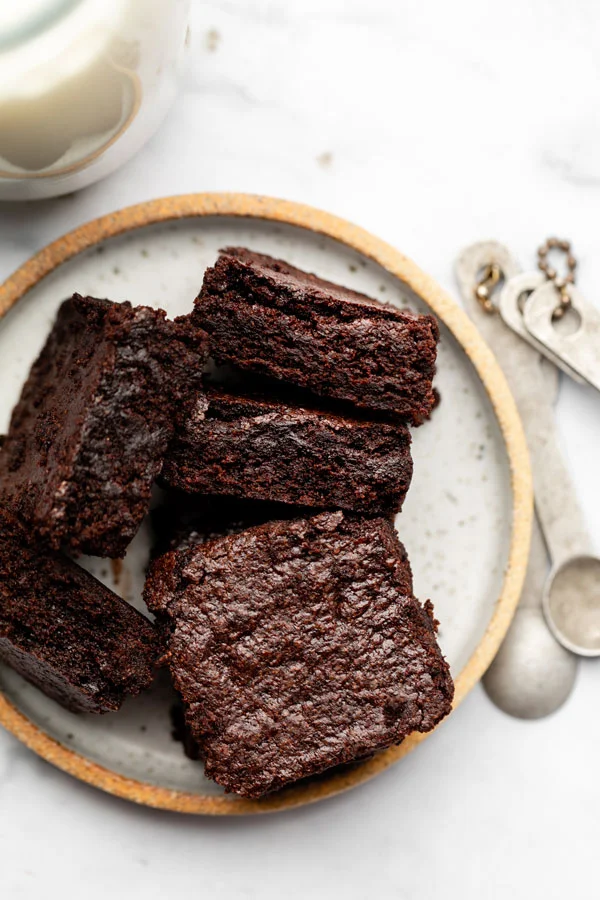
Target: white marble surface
(433,125)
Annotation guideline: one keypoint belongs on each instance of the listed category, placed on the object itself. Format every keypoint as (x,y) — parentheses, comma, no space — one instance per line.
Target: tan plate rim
(244,205)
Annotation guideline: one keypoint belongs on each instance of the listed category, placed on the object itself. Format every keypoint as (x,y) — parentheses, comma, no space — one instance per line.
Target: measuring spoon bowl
(532,675)
(571,604)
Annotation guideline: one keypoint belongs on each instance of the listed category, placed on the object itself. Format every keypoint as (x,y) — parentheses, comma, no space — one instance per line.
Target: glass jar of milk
(83,85)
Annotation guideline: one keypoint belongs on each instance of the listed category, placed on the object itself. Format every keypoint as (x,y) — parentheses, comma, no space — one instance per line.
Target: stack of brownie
(85,443)
(276,416)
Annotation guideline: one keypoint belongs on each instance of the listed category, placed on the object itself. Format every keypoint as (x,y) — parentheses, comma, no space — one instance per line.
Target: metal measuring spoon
(511,310)
(532,675)
(571,599)
(578,349)
(572,604)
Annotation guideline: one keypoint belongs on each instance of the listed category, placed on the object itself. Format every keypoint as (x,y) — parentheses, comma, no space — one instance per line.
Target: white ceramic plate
(462,522)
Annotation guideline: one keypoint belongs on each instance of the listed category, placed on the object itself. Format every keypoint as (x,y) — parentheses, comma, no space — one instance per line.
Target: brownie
(182,520)
(263,449)
(269,317)
(297,646)
(181,733)
(88,435)
(65,632)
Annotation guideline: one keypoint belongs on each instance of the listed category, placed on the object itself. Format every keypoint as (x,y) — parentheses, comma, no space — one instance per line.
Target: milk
(83,83)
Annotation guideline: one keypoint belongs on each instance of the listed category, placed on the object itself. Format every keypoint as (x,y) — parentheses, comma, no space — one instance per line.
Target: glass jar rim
(33,22)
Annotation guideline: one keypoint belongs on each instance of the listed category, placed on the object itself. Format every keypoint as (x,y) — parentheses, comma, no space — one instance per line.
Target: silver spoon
(571,598)
(532,675)
(572,604)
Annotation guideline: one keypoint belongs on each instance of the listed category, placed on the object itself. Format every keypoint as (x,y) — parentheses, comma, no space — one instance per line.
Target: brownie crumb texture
(297,646)
(182,520)
(263,449)
(266,316)
(88,436)
(65,632)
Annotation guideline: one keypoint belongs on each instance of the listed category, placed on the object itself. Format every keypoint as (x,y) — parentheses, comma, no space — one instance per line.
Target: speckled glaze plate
(465,523)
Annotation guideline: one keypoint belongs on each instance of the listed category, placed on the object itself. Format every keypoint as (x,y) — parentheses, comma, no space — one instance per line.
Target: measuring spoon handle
(557,507)
(535,387)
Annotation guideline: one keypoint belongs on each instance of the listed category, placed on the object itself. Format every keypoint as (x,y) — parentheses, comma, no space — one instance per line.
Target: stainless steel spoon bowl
(531,675)
(571,604)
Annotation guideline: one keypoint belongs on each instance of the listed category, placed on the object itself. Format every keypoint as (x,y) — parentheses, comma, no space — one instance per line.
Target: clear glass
(83,85)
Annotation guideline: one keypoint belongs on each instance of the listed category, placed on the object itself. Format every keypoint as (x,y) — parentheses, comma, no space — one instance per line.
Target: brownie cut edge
(266,316)
(266,449)
(88,435)
(65,632)
(183,519)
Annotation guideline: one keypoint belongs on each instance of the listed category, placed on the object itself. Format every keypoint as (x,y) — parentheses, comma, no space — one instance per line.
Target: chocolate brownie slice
(65,632)
(297,646)
(88,435)
(264,315)
(264,449)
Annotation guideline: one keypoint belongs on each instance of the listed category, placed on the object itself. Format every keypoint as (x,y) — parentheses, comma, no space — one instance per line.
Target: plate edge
(494,382)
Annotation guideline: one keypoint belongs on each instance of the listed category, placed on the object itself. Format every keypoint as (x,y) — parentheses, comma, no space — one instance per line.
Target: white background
(433,124)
